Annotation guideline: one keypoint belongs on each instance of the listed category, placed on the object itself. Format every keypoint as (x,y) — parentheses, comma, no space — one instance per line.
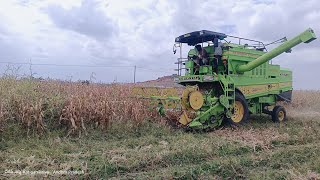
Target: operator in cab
(202,57)
(217,56)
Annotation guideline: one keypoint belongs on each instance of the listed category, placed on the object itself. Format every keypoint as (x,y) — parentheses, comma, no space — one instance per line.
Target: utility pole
(134,74)
(30,68)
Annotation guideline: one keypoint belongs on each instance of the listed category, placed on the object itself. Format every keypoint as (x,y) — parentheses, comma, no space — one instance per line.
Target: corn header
(226,81)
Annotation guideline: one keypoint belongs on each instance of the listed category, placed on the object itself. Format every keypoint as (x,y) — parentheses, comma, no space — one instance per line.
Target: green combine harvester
(226,81)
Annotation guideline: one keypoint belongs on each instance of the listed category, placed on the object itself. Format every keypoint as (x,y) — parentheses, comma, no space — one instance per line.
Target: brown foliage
(72,105)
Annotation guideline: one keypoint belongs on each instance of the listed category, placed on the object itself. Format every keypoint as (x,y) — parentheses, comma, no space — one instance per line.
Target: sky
(97,34)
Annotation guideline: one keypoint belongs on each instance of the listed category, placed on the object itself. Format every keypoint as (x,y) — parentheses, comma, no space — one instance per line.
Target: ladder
(229,92)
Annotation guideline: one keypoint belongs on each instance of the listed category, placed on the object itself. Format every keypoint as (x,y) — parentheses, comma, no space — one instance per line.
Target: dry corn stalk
(74,105)
(32,116)
(2,117)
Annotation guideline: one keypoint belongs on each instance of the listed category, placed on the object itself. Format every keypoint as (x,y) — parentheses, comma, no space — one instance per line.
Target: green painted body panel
(248,67)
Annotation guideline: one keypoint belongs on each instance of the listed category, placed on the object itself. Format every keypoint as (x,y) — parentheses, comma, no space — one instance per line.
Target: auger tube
(306,37)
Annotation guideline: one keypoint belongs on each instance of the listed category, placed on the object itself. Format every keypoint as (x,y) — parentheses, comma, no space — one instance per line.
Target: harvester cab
(203,59)
(226,81)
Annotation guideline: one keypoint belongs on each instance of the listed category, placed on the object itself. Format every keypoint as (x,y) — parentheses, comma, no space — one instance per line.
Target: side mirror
(174,49)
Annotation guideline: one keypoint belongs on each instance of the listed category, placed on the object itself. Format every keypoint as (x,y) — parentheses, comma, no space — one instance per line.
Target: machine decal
(190,78)
(285,84)
(256,89)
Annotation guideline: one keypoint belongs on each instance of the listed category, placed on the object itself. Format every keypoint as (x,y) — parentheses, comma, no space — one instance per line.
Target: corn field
(39,106)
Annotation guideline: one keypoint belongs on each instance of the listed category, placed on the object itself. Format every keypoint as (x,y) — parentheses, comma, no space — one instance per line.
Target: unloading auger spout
(306,37)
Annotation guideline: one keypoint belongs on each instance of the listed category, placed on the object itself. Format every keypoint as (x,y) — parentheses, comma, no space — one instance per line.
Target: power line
(154,70)
(60,65)
(94,66)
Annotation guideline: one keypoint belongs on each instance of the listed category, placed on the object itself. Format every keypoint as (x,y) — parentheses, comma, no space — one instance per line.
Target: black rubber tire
(275,114)
(239,97)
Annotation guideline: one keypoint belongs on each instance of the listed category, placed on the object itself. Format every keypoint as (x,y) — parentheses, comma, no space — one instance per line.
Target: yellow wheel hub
(185,99)
(196,100)
(281,115)
(238,112)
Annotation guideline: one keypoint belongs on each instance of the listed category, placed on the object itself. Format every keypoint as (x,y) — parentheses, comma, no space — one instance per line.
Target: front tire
(279,114)
(240,111)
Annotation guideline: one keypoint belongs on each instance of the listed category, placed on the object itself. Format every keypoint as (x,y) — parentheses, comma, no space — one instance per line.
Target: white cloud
(142,32)
(86,19)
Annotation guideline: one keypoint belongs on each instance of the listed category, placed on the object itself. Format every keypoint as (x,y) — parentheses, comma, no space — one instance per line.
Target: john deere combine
(226,81)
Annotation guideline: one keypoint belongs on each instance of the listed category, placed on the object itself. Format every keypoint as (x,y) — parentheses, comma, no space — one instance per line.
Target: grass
(258,150)
(147,149)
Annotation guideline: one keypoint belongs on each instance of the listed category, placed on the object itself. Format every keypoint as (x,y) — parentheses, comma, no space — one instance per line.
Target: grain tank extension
(226,81)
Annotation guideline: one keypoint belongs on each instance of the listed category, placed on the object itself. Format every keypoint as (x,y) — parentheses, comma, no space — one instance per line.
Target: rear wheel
(240,112)
(279,114)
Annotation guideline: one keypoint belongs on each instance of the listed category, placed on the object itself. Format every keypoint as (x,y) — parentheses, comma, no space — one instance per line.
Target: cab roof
(196,37)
